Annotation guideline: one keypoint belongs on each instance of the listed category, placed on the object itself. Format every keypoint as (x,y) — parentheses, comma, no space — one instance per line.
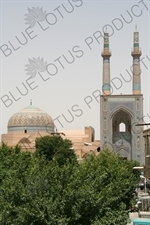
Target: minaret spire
(136,53)
(136,30)
(106,54)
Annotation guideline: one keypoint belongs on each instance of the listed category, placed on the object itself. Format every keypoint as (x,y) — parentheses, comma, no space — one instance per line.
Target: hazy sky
(71,44)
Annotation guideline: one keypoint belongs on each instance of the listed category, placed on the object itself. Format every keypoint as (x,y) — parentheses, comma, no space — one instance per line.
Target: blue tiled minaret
(136,53)
(106,54)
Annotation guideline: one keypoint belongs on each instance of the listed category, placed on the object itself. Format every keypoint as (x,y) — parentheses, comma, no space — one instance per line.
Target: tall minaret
(106,54)
(136,53)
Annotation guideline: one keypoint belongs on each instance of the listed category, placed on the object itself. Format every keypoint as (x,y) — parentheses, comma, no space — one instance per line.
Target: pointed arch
(121,109)
(121,116)
(24,140)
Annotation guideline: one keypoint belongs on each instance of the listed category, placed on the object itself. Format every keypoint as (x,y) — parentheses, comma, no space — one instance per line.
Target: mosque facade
(119,114)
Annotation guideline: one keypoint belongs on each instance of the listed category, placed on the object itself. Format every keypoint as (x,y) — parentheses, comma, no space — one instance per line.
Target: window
(122,127)
(25,131)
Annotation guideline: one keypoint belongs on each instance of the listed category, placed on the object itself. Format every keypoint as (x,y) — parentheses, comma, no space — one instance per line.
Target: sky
(59,45)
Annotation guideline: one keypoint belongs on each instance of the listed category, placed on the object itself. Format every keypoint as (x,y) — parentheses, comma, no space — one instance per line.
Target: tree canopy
(40,191)
(55,147)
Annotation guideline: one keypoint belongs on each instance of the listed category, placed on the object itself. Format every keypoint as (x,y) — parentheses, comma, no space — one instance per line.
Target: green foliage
(55,147)
(37,191)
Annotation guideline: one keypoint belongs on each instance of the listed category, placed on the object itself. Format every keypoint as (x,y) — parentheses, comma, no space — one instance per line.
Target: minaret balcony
(106,53)
(136,52)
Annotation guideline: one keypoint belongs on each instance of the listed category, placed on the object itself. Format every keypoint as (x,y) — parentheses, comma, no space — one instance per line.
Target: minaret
(106,54)
(136,53)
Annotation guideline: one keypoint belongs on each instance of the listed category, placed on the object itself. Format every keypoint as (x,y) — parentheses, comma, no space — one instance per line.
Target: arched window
(122,127)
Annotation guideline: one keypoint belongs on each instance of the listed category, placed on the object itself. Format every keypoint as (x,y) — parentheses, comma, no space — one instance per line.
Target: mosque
(31,122)
(115,110)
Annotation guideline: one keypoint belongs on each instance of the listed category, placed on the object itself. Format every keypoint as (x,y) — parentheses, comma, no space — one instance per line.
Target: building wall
(78,138)
(146,135)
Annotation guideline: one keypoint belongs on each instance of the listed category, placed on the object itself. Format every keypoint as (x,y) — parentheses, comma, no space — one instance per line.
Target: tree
(37,191)
(102,190)
(55,147)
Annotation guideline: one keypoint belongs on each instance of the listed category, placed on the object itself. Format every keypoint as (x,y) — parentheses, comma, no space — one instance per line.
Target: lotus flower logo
(34,15)
(35,66)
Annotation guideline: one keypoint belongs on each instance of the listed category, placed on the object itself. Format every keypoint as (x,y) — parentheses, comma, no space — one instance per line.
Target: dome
(30,119)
